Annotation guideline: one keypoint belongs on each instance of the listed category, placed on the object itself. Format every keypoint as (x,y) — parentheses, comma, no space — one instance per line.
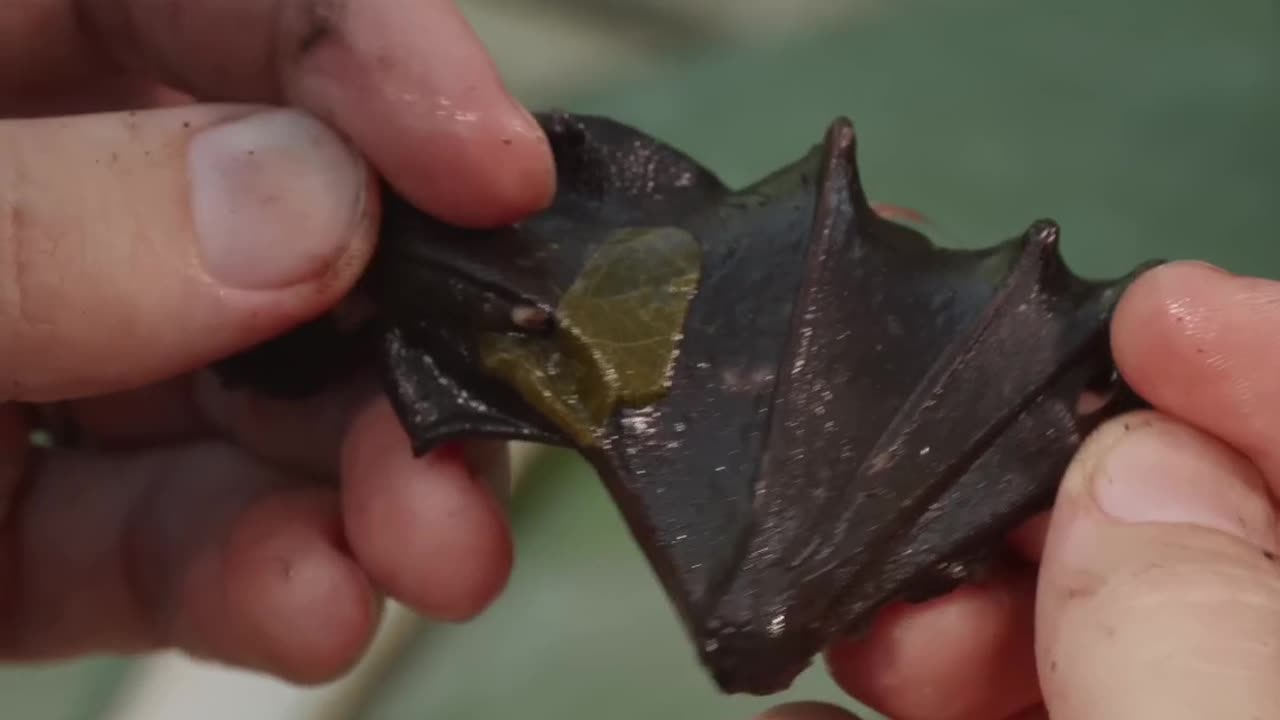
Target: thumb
(137,246)
(1159,591)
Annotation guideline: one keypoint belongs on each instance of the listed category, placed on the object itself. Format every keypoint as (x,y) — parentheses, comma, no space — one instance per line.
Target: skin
(225,525)
(230,526)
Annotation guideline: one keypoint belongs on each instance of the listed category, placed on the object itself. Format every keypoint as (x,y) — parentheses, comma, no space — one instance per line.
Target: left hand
(143,235)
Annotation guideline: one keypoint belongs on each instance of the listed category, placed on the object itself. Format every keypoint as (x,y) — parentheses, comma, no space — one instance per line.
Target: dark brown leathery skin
(851,415)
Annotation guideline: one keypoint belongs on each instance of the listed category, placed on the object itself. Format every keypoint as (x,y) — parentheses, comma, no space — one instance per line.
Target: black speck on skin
(1269,555)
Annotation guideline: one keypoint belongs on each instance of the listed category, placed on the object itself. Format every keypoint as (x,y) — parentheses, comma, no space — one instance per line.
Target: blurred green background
(1147,128)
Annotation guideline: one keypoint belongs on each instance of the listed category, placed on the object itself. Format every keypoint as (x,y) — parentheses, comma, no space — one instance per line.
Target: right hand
(1157,594)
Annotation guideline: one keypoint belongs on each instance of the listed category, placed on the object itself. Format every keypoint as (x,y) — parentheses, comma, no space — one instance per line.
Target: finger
(966,655)
(413,86)
(1159,592)
(195,546)
(139,246)
(429,532)
(407,80)
(303,435)
(806,711)
(1200,344)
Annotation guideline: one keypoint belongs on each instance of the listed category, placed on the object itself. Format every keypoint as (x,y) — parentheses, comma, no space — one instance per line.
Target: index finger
(407,80)
(1200,344)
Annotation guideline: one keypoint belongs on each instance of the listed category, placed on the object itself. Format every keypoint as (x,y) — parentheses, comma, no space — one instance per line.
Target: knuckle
(1192,578)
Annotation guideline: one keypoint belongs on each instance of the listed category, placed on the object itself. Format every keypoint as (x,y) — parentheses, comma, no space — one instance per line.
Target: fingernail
(276,197)
(1159,472)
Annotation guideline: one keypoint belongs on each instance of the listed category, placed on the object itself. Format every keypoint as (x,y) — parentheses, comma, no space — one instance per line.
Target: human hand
(1158,593)
(137,247)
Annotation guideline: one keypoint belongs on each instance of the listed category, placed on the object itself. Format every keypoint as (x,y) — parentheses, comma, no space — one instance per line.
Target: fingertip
(417,91)
(1197,343)
(1158,320)
(967,654)
(306,607)
(429,532)
(871,667)
(480,178)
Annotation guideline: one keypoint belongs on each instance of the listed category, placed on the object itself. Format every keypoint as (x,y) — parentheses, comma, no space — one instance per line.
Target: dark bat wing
(929,401)
(803,410)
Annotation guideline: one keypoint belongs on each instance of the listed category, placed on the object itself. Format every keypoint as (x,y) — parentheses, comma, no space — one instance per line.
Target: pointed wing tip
(1042,242)
(1045,233)
(842,171)
(842,127)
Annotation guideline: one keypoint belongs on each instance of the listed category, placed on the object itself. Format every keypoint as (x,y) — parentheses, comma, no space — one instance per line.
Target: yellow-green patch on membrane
(616,333)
